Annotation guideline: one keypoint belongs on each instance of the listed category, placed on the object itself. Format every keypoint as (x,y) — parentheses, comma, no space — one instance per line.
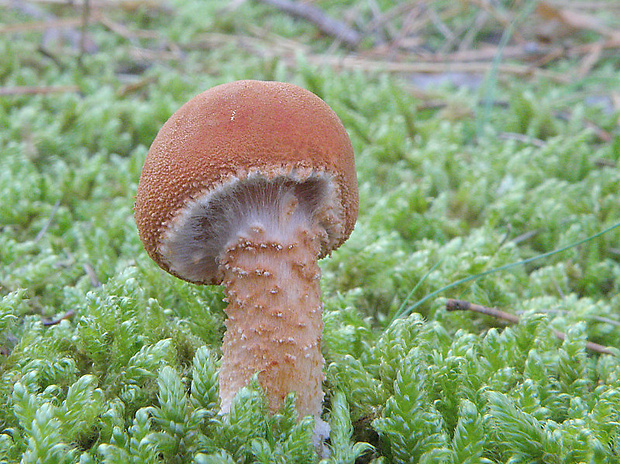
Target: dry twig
(92,275)
(600,133)
(50,322)
(460,305)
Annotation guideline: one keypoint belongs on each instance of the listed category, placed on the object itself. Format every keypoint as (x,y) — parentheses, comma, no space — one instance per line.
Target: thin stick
(316,16)
(50,322)
(460,305)
(92,275)
(602,134)
(606,320)
(525,236)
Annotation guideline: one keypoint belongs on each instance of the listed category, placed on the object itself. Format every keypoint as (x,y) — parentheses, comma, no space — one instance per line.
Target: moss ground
(105,358)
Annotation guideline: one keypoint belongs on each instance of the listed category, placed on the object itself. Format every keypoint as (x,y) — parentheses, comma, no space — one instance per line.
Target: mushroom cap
(235,131)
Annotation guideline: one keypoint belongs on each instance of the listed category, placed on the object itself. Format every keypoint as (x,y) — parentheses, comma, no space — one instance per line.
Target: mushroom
(249,184)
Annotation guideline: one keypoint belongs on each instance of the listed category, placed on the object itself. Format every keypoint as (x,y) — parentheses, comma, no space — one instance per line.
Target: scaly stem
(274,320)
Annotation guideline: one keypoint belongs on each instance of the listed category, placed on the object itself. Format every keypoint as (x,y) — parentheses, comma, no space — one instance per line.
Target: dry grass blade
(125,32)
(52,27)
(37,90)
(521,138)
(381,22)
(92,275)
(127,5)
(600,133)
(355,63)
(586,5)
(319,18)
(492,11)
(589,61)
(405,30)
(574,19)
(39,26)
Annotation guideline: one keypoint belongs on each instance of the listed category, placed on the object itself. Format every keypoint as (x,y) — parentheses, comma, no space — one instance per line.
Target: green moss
(105,358)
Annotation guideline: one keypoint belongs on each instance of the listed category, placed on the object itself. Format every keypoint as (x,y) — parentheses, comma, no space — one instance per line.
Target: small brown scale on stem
(274,320)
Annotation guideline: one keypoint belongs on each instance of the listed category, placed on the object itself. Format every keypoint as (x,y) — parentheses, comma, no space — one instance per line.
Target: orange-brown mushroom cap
(240,130)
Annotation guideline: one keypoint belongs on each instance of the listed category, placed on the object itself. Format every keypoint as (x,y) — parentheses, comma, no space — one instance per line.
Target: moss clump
(104,358)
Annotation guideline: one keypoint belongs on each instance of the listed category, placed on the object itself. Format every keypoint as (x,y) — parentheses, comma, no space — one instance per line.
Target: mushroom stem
(274,313)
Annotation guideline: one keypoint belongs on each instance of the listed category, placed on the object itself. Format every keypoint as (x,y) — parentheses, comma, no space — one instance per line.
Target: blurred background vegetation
(485,132)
